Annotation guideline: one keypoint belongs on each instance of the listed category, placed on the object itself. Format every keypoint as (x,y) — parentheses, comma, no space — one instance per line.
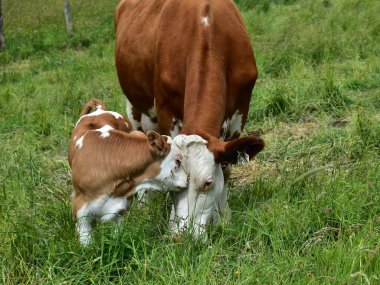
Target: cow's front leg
(165,118)
(134,116)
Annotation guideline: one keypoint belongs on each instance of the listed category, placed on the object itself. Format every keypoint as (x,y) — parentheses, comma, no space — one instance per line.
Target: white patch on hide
(105,131)
(152,113)
(176,128)
(104,208)
(100,112)
(79,142)
(232,125)
(84,226)
(205,21)
(112,207)
(147,124)
(135,124)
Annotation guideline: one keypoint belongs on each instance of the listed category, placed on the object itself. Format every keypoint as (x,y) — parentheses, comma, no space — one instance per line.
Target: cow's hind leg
(140,122)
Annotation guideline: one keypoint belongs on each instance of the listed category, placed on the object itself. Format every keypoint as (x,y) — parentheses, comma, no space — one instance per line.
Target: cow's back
(136,23)
(194,57)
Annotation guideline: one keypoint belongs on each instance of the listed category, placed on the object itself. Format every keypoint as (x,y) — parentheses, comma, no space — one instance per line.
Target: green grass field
(306,211)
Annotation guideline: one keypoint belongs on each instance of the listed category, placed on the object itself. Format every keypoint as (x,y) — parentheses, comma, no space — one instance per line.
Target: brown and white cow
(188,66)
(108,161)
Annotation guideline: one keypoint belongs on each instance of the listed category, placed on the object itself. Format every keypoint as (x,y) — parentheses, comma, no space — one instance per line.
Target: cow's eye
(178,160)
(208,182)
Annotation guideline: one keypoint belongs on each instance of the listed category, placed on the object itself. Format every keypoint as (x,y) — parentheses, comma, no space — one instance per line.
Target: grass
(306,211)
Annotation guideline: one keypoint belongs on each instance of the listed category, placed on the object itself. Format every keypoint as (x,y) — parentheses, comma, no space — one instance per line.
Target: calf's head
(171,176)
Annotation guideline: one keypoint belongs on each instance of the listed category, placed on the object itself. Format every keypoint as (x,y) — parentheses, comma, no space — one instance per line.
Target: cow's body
(187,61)
(188,66)
(108,160)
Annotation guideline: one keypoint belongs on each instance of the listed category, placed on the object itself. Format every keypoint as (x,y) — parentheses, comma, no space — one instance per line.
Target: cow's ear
(158,144)
(239,150)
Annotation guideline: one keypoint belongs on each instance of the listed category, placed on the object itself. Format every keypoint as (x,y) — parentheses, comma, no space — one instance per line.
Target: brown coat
(190,60)
(107,161)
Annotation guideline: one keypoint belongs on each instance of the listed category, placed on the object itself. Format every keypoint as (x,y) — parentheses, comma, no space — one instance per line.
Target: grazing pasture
(305,211)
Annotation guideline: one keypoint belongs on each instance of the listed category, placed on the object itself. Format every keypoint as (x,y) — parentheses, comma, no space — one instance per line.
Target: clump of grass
(333,96)
(325,96)
(365,136)
(278,103)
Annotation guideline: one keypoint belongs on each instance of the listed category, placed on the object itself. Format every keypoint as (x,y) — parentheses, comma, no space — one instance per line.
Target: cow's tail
(92,106)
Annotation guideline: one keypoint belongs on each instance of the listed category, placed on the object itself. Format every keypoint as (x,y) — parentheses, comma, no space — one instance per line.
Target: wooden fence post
(67,17)
(2,40)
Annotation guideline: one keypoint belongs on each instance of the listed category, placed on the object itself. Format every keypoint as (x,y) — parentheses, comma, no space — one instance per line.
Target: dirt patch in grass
(291,131)
(245,173)
(16,66)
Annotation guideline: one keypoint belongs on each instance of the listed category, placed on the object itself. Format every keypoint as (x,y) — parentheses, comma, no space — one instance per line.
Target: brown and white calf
(108,160)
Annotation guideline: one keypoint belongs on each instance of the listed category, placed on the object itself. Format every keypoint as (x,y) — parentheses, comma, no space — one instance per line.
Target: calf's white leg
(84,225)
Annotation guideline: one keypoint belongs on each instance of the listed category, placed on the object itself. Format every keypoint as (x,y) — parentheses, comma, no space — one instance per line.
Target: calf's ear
(158,144)
(239,150)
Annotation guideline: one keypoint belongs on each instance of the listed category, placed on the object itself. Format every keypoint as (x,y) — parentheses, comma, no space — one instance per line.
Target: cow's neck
(205,91)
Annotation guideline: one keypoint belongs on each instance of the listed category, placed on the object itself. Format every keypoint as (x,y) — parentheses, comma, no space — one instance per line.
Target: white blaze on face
(193,209)
(79,142)
(105,131)
(196,206)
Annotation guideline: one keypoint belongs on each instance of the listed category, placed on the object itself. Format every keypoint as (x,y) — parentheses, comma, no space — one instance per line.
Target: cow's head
(202,160)
(172,176)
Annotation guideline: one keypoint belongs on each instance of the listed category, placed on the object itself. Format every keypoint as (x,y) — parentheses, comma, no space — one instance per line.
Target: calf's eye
(177,160)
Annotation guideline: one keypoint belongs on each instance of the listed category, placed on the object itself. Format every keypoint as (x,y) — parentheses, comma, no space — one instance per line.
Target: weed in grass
(332,95)
(365,136)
